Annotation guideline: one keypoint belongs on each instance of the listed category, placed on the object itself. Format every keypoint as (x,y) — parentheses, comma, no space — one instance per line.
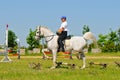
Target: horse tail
(90,36)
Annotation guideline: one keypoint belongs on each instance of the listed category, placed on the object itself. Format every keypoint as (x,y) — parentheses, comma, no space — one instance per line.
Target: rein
(50,38)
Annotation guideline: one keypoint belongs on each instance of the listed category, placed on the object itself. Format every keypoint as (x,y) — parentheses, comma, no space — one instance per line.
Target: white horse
(76,43)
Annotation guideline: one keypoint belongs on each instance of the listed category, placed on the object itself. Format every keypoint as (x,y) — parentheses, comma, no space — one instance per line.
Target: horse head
(42,31)
(39,32)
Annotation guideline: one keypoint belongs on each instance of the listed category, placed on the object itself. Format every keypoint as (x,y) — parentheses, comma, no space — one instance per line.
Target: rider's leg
(63,37)
(60,43)
(58,50)
(62,46)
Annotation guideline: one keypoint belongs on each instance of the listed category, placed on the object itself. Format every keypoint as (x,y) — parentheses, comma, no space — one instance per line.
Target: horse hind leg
(82,56)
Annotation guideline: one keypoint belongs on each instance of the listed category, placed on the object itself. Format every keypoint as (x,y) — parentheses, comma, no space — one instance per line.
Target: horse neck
(48,34)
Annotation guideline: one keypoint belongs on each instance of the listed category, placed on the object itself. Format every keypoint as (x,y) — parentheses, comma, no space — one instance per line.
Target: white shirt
(64,25)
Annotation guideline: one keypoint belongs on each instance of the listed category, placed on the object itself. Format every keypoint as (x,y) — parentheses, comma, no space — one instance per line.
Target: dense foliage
(110,42)
(33,43)
(12,39)
(85,29)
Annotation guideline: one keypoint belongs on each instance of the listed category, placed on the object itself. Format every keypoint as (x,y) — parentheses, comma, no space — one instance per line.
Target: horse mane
(45,27)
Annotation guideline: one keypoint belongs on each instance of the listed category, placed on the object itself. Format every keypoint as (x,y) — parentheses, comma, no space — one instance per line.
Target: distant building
(1,46)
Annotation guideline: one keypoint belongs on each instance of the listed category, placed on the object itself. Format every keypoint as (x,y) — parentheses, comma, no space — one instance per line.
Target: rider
(62,32)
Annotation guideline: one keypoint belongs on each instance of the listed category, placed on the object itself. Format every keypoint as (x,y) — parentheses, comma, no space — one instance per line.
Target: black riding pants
(61,38)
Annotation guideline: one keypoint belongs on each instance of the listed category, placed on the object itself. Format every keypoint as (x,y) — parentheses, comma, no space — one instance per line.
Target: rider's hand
(60,30)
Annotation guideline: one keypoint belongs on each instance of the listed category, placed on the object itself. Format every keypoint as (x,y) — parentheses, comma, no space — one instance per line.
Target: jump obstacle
(34,65)
(67,65)
(117,63)
(104,65)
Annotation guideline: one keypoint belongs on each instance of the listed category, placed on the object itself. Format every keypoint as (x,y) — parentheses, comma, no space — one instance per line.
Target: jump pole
(6,58)
(18,50)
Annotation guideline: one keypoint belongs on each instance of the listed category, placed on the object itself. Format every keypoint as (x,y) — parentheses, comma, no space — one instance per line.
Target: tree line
(109,42)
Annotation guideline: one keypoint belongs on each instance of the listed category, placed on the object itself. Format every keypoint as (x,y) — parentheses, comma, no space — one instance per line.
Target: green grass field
(19,69)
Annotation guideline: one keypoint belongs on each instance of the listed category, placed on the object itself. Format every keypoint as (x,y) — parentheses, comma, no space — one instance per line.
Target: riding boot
(62,46)
(61,38)
(59,46)
(63,50)
(58,50)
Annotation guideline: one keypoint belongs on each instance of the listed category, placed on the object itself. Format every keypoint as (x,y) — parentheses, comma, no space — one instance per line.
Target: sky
(21,15)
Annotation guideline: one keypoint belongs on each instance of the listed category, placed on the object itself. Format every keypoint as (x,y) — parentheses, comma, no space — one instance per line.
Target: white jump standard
(6,58)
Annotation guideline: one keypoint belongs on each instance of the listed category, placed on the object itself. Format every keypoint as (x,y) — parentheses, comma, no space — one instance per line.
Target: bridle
(52,36)
(39,31)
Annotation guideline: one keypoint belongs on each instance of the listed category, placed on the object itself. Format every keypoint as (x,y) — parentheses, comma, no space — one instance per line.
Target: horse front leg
(44,55)
(54,52)
(70,54)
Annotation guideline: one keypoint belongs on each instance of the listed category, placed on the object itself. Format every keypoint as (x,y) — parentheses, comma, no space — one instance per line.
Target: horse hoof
(82,67)
(53,67)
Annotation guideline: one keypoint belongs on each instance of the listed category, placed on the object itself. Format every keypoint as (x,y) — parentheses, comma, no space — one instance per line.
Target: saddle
(68,37)
(66,42)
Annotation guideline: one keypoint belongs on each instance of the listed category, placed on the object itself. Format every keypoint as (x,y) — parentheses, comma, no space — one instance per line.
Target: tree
(102,40)
(113,41)
(11,39)
(118,34)
(109,42)
(33,43)
(118,42)
(113,36)
(85,29)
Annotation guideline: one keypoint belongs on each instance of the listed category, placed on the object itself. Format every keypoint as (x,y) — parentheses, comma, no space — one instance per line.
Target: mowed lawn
(19,69)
